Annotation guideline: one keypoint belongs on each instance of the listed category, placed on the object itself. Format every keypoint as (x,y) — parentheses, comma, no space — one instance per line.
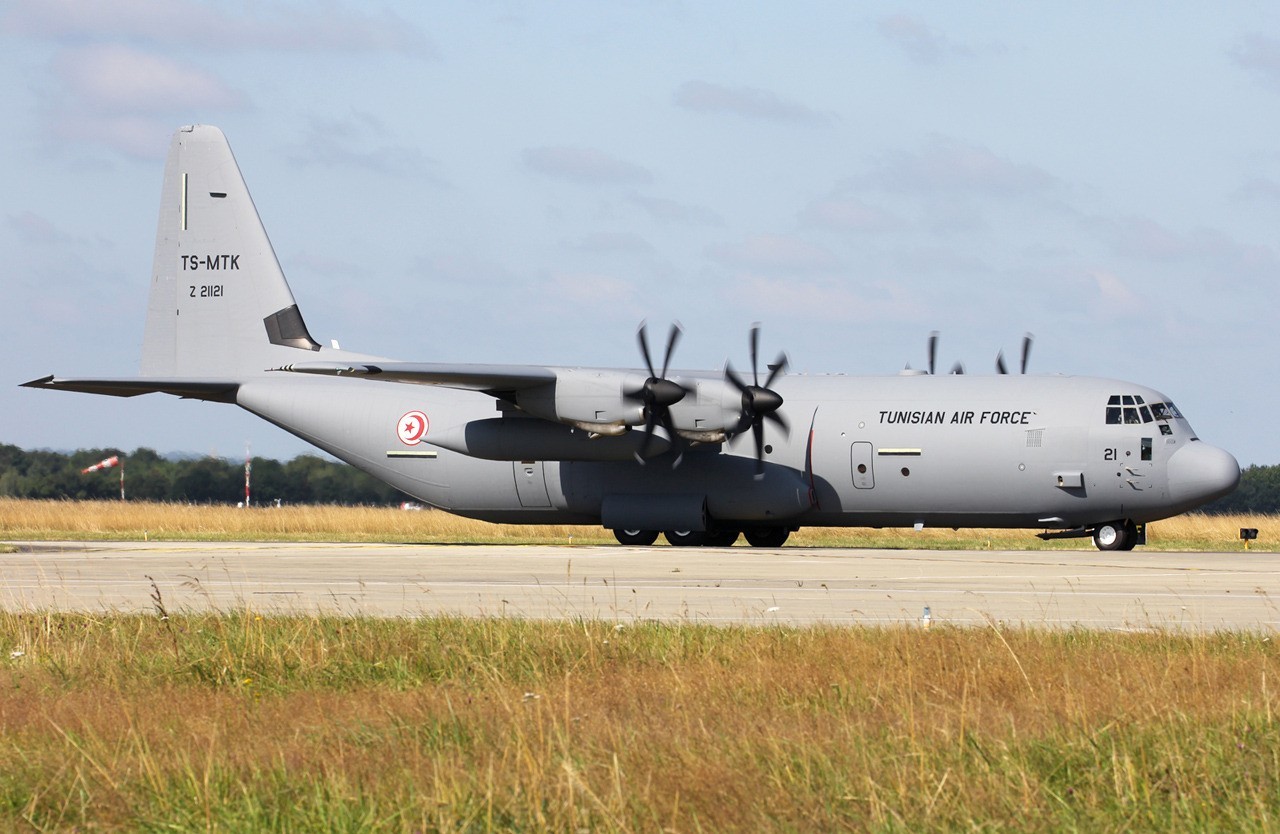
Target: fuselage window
(1146,413)
(1146,448)
(1131,416)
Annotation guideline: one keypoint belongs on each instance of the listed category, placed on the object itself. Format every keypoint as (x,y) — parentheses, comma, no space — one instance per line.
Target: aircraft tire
(639,538)
(767,536)
(685,538)
(722,538)
(1115,535)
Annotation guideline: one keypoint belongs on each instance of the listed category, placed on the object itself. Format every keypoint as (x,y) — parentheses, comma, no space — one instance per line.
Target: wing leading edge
(490,379)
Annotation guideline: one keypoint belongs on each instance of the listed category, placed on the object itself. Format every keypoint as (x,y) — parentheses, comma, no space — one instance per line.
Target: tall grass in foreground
(237,722)
(115,520)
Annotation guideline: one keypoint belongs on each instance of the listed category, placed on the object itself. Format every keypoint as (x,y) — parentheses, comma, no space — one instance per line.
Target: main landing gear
(719,537)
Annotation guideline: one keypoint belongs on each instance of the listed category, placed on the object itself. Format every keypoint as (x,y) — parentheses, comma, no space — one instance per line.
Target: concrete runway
(1138,590)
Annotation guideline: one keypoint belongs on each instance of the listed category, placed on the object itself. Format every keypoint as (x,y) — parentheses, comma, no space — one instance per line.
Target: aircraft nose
(1199,473)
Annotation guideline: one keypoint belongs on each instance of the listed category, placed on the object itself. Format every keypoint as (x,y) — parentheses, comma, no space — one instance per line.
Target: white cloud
(114,78)
(272,26)
(1261,56)
(1112,289)
(774,253)
(583,165)
(749,102)
(614,242)
(671,211)
(358,141)
(921,42)
(1259,188)
(950,165)
(848,215)
(825,299)
(1203,248)
(591,289)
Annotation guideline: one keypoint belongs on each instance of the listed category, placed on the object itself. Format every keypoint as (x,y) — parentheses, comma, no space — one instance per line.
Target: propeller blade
(755,350)
(781,421)
(1000,367)
(933,350)
(957,368)
(643,335)
(672,338)
(643,453)
(733,377)
(1027,339)
(778,367)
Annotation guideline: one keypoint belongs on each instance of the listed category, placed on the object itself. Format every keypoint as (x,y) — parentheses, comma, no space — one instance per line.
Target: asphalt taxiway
(1138,590)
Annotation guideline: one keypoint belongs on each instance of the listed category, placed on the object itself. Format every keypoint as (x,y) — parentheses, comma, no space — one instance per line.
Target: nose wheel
(1116,535)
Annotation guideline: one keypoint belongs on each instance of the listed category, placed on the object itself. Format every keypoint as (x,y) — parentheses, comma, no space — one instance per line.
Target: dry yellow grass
(78,520)
(236,722)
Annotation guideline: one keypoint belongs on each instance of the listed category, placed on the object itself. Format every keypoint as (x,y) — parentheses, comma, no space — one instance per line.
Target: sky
(526,182)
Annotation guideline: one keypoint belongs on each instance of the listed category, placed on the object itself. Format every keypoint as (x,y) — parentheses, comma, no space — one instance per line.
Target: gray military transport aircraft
(643,451)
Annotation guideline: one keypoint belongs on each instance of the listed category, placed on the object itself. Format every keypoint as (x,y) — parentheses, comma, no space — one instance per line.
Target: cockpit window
(1130,409)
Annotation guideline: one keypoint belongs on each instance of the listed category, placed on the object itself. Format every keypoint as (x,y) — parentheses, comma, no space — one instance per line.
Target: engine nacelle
(594,400)
(585,398)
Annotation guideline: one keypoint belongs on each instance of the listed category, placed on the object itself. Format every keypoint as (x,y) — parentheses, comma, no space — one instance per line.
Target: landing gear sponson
(756,537)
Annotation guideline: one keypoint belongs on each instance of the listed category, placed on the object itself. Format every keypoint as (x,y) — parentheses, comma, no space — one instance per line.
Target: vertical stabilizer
(219,305)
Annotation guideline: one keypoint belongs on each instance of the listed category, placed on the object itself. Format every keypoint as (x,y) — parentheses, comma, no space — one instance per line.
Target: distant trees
(306,479)
(1259,492)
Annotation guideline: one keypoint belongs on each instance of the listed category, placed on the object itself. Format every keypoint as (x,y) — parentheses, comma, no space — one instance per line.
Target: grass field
(237,722)
(129,521)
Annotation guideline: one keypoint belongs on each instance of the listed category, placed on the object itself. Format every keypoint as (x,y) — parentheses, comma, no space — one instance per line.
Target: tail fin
(220,305)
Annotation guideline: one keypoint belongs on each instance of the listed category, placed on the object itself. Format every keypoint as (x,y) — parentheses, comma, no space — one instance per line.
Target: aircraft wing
(491,379)
(218,390)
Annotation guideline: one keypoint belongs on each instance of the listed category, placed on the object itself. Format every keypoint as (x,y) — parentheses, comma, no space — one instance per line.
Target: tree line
(306,479)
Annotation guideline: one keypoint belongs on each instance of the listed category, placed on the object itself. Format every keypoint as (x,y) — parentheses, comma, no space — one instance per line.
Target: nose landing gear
(1118,535)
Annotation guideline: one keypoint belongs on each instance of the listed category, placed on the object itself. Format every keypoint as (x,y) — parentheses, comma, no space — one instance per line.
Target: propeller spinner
(759,402)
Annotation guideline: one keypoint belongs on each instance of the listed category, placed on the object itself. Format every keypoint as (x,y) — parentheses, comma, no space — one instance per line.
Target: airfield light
(1248,534)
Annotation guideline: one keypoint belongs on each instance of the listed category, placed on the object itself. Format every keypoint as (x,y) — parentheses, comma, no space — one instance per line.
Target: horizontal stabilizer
(216,390)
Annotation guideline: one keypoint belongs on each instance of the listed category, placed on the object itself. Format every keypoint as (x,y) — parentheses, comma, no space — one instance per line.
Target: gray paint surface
(1183,591)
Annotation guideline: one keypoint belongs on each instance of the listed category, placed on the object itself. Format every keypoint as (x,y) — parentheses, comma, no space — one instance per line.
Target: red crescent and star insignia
(412,428)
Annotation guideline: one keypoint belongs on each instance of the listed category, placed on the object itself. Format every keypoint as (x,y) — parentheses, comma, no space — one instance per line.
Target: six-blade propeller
(759,402)
(657,393)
